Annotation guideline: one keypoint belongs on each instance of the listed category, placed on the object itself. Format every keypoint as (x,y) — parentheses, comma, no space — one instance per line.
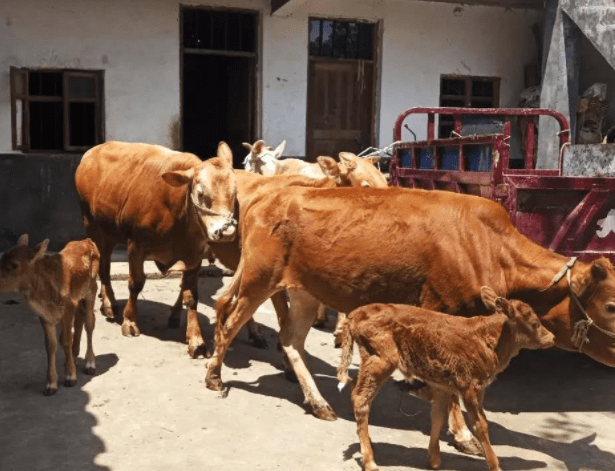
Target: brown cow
(355,246)
(167,205)
(454,355)
(60,289)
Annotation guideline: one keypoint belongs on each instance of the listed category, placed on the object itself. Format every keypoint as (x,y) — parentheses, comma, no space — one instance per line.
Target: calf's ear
(178,177)
(503,305)
(40,250)
(488,295)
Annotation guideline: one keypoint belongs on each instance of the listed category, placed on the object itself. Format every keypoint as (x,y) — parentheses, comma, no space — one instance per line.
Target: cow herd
(438,285)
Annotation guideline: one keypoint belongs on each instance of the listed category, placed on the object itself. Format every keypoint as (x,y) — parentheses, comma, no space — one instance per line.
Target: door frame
(377,67)
(257,55)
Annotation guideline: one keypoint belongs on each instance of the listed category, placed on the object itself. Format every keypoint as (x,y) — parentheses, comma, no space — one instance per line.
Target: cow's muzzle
(218,227)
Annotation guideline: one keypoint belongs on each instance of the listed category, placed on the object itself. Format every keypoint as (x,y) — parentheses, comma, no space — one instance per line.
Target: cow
(456,356)
(350,247)
(60,289)
(350,171)
(167,206)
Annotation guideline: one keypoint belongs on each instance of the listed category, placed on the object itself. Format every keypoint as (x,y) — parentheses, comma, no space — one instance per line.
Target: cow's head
(353,170)
(262,159)
(212,191)
(593,284)
(16,262)
(528,330)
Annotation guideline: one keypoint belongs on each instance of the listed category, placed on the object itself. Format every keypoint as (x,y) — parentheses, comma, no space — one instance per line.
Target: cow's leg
(66,339)
(51,343)
(190,294)
(373,373)
(109,304)
(176,311)
(439,411)
(90,321)
(321,316)
(78,328)
(280,306)
(293,330)
(463,439)
(136,281)
(339,328)
(227,326)
(473,401)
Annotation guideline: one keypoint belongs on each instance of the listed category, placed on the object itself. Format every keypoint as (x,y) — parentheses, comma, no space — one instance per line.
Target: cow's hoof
(194,351)
(107,312)
(434,462)
(173,322)
(50,391)
(324,412)
(90,369)
(469,447)
(130,330)
(70,382)
(319,323)
(214,383)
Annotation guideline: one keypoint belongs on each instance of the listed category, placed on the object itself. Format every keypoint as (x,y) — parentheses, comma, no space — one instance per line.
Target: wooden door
(340,104)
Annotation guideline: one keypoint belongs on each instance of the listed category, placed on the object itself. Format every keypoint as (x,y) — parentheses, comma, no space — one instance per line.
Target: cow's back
(120,186)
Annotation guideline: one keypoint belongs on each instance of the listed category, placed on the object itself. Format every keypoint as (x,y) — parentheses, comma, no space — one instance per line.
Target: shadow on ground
(38,432)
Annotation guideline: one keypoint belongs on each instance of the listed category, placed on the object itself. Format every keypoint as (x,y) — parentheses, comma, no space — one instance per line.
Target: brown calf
(456,356)
(60,289)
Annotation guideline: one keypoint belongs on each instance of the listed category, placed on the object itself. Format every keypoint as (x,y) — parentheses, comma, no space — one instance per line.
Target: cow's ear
(40,250)
(374,159)
(225,154)
(247,145)
(22,246)
(584,277)
(488,295)
(277,153)
(328,165)
(349,160)
(258,146)
(178,177)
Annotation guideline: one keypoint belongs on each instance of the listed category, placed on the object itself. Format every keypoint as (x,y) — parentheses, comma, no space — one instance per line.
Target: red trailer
(574,216)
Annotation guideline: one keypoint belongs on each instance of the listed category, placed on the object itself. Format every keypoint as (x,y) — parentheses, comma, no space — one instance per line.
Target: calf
(61,289)
(456,356)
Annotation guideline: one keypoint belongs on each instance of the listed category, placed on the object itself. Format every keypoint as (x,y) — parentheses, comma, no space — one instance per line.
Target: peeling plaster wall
(137,44)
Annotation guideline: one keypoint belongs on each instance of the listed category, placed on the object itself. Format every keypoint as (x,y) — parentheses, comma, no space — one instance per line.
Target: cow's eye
(610,307)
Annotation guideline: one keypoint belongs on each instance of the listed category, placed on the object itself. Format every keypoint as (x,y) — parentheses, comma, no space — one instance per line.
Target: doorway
(340,87)
(218,81)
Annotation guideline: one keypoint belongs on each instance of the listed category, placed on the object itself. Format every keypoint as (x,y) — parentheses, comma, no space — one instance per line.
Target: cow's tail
(346,358)
(227,302)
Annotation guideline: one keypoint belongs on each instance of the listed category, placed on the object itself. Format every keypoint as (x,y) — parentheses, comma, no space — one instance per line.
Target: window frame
(23,142)
(469,100)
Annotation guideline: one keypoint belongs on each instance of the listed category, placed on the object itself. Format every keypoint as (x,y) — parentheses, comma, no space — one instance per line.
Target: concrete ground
(147,407)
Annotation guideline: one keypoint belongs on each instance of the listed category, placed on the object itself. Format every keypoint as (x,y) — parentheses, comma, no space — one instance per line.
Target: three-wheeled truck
(571,215)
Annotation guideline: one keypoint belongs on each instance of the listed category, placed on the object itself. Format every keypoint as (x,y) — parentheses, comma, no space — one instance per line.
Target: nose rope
(230,220)
(581,328)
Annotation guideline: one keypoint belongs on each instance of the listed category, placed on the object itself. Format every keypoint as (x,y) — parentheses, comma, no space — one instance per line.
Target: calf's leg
(136,281)
(439,411)
(51,343)
(373,373)
(294,328)
(473,401)
(66,338)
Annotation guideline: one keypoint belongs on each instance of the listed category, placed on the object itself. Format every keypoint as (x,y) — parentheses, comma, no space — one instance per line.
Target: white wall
(136,42)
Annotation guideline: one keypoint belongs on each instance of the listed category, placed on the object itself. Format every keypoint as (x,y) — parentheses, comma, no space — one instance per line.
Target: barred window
(56,109)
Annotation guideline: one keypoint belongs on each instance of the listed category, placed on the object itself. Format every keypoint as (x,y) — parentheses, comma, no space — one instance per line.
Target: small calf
(60,289)
(457,356)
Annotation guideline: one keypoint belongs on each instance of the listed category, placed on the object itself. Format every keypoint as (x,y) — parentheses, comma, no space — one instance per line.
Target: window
(210,30)
(466,92)
(56,110)
(341,39)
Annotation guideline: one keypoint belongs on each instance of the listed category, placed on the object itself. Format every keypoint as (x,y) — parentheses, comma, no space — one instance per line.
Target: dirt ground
(147,407)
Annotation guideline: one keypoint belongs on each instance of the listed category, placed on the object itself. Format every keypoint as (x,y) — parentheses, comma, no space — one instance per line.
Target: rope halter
(581,328)
(230,220)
